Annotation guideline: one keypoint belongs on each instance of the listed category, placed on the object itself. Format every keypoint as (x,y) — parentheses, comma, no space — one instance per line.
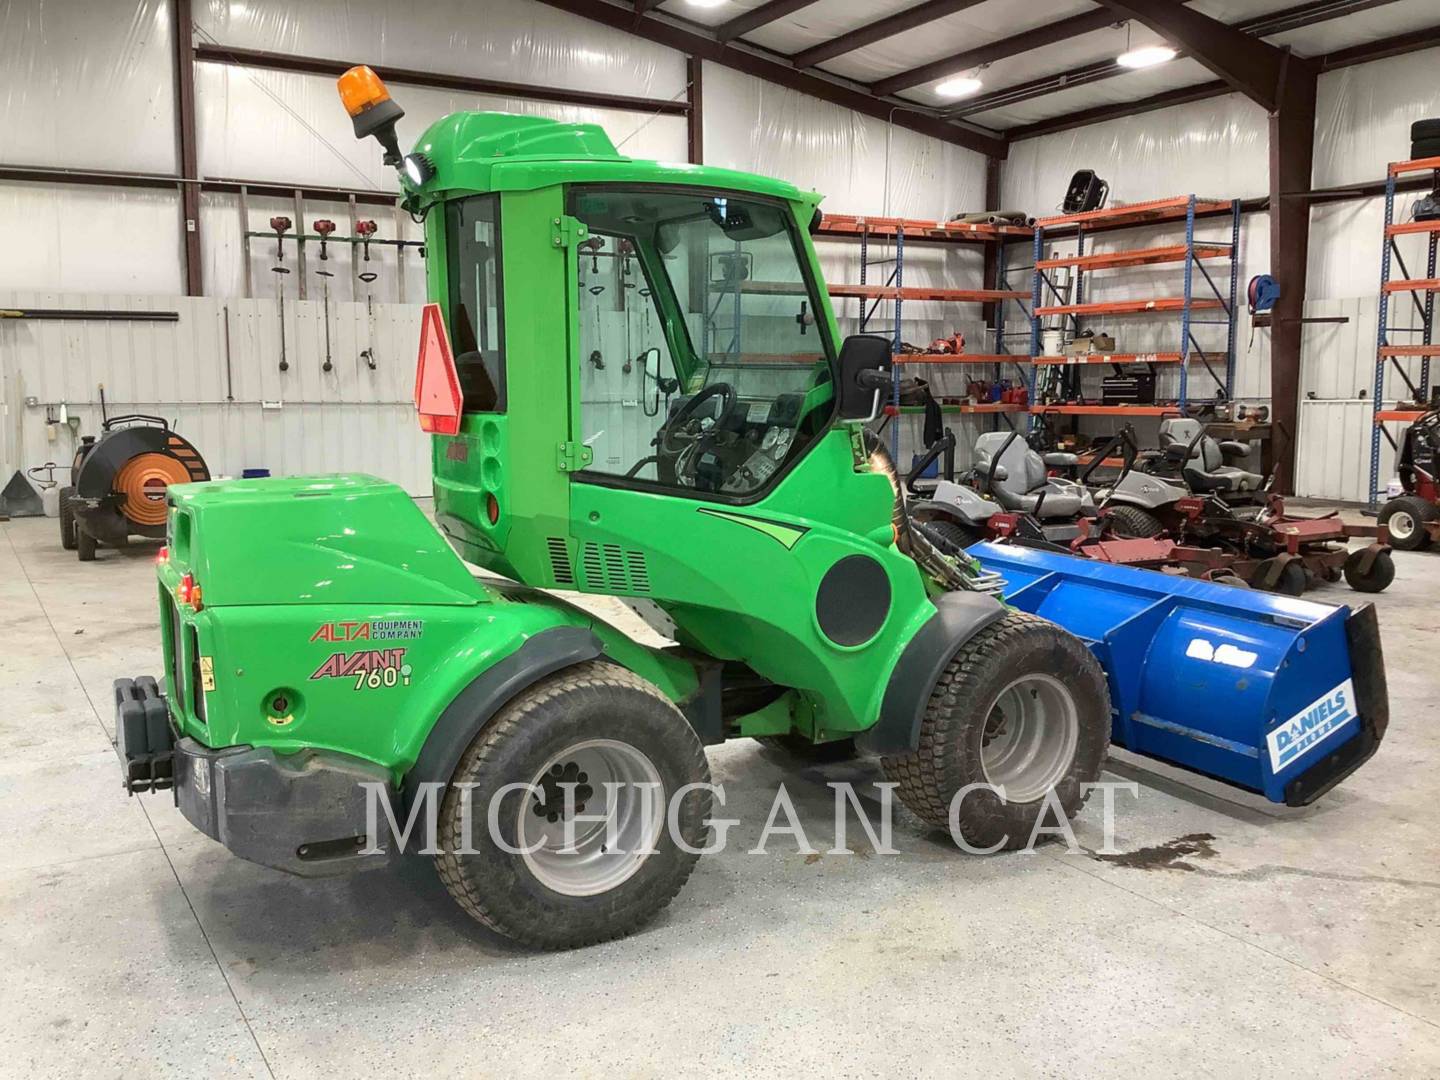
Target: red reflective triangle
(437,386)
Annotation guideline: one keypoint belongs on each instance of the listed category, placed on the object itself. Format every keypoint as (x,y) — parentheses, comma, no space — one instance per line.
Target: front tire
(589,725)
(1023,706)
(1377,579)
(1405,518)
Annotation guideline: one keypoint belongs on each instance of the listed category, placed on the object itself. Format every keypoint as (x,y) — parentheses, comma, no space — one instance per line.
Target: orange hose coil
(142,481)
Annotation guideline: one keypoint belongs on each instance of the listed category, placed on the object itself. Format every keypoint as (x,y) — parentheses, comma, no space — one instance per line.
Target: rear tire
(85,544)
(67,519)
(1405,518)
(951,537)
(1023,705)
(791,748)
(1292,580)
(585,725)
(1133,523)
(1381,574)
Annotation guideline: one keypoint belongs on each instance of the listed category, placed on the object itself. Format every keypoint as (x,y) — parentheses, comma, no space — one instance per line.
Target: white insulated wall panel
(241,414)
(87,85)
(505,40)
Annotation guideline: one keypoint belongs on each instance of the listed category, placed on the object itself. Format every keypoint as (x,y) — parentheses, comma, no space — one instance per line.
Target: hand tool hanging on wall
(325,227)
(365,230)
(280,225)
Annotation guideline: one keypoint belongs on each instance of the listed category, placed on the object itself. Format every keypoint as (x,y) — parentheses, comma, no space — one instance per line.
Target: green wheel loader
(636,388)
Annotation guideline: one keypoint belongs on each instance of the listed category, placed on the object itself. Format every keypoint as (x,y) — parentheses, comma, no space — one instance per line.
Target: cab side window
(472,244)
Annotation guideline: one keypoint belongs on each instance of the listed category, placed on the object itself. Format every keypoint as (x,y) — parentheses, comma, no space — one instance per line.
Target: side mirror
(650,364)
(865,363)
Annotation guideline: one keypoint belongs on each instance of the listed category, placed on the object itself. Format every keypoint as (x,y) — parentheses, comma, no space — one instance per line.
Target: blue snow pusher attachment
(1276,695)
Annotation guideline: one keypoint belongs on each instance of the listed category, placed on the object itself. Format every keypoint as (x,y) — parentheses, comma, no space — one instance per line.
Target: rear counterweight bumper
(309,813)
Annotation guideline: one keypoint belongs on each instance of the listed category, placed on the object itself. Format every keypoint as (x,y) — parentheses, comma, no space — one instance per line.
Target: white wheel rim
(1401,525)
(612,779)
(1030,737)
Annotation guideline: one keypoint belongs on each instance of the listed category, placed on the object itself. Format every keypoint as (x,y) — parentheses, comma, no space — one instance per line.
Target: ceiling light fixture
(958,87)
(705,3)
(1146,56)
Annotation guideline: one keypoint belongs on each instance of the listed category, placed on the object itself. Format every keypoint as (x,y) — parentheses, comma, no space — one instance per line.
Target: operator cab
(703,367)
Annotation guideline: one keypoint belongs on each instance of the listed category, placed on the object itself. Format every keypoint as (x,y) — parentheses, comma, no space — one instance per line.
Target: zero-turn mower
(1413,518)
(1184,507)
(118,483)
(330,661)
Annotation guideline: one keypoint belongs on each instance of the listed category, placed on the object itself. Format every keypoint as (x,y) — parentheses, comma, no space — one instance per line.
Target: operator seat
(1025,478)
(1208,468)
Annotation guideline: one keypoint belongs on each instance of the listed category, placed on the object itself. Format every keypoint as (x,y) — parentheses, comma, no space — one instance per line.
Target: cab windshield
(703,365)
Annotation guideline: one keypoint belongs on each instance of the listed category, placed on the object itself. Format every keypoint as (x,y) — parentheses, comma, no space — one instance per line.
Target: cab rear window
(472,244)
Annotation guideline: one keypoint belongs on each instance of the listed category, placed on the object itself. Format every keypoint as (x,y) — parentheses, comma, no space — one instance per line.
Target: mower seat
(1208,469)
(1025,480)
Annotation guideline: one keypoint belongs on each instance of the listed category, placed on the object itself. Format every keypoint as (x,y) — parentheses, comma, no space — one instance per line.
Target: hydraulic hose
(949,572)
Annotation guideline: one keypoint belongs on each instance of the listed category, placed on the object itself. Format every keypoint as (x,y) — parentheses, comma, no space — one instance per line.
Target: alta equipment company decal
(370,669)
(370,630)
(1311,726)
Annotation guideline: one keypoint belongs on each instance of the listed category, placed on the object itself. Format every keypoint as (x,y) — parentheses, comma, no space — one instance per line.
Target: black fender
(542,654)
(958,617)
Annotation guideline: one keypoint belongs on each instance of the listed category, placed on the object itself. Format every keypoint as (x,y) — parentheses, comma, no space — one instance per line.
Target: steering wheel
(686,412)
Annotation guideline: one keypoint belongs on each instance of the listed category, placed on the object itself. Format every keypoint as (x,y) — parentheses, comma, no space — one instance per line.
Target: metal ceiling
(1044,64)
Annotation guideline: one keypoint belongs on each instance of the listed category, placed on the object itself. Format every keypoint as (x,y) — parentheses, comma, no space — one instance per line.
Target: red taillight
(163,555)
(188,592)
(492,508)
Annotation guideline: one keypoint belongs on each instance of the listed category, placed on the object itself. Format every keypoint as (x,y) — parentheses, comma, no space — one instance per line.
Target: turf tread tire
(1133,523)
(1382,573)
(948,755)
(67,519)
(484,757)
(1421,511)
(951,537)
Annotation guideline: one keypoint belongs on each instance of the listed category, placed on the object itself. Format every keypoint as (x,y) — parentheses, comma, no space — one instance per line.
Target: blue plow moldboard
(1277,695)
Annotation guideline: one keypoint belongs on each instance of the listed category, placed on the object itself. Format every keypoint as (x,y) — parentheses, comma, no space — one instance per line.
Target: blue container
(254,474)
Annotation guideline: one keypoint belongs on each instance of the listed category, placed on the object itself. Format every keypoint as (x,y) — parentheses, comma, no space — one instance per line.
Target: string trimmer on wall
(365,230)
(280,225)
(325,227)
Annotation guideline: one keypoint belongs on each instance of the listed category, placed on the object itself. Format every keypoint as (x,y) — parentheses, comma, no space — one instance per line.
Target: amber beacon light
(371,109)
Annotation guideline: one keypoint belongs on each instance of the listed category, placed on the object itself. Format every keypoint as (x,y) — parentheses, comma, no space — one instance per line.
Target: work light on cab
(371,109)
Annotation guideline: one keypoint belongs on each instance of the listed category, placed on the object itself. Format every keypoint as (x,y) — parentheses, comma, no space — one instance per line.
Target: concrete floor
(1296,943)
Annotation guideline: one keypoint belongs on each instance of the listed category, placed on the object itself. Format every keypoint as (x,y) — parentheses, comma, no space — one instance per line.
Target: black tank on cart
(119,481)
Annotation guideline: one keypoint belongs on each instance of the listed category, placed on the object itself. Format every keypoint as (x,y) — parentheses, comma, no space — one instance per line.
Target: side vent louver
(560,561)
(613,569)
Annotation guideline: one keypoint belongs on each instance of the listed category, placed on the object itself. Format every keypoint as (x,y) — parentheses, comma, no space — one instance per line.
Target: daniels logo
(1312,726)
(373,630)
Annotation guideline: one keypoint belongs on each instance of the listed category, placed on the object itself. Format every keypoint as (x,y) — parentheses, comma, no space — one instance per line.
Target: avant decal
(372,630)
(371,669)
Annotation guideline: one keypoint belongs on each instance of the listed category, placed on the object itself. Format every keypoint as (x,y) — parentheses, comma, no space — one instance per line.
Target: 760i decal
(371,669)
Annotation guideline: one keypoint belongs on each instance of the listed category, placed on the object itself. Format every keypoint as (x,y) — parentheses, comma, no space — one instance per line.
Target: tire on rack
(792,748)
(1377,579)
(1023,705)
(85,544)
(1425,129)
(1405,518)
(67,519)
(1133,523)
(589,725)
(951,537)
